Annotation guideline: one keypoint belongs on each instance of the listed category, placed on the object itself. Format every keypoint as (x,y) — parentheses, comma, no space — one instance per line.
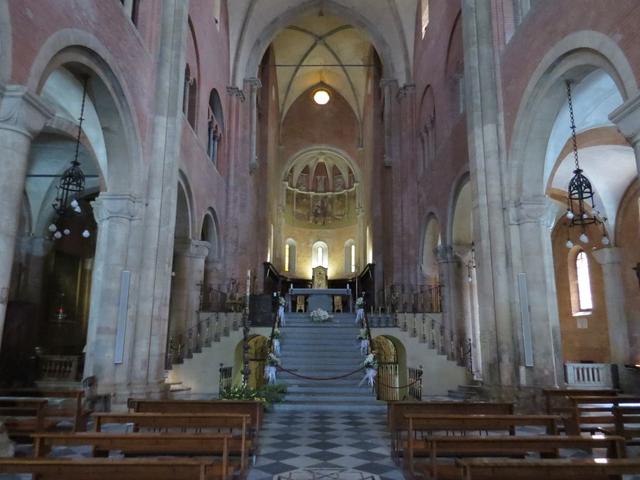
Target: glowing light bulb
(584,238)
(77,210)
(66,231)
(53,228)
(570,215)
(605,240)
(321,97)
(86,234)
(74,203)
(57,235)
(569,244)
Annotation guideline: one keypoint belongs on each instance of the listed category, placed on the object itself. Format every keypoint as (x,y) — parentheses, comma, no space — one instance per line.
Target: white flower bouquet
(281,301)
(320,316)
(360,302)
(276,333)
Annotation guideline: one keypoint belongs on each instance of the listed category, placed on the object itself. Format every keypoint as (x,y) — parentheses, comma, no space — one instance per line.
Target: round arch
(184,209)
(82,52)
(431,239)
(250,51)
(573,58)
(458,217)
(210,232)
(314,151)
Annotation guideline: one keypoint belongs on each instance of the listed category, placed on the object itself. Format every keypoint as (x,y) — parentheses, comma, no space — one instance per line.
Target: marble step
(355,407)
(324,398)
(328,390)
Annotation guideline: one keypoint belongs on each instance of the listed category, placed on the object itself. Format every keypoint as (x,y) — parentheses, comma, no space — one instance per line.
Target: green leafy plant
(273,393)
(268,394)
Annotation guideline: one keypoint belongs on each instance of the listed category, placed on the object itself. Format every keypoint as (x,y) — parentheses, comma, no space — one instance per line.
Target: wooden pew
(71,403)
(556,398)
(242,407)
(23,417)
(148,444)
(509,446)
(398,425)
(110,468)
(234,424)
(552,469)
(626,424)
(420,423)
(593,413)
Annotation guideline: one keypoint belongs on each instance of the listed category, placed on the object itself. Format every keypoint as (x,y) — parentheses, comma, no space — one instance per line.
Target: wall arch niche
(464,288)
(212,295)
(600,74)
(52,294)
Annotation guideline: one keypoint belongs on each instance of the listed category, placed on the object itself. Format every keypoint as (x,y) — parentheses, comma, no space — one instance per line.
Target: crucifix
(637,269)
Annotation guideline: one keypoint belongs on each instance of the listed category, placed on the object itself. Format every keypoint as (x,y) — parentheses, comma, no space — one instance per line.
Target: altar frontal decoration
(320,316)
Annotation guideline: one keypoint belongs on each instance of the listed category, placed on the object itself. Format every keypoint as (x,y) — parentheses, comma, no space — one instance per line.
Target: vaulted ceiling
(389,24)
(322,49)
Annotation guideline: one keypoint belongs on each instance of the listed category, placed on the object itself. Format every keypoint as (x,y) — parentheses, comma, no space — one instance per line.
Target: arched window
(583,280)
(290,256)
(320,255)
(215,126)
(193,103)
(350,257)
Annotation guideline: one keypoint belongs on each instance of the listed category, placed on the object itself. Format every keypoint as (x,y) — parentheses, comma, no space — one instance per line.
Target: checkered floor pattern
(331,445)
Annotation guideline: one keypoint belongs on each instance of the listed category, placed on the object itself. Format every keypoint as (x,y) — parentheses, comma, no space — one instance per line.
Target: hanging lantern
(581,207)
(72,182)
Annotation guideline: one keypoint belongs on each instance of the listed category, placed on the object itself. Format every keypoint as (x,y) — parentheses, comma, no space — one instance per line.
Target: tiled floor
(330,446)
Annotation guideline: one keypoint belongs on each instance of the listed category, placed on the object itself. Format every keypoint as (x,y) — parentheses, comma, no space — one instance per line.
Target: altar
(320,298)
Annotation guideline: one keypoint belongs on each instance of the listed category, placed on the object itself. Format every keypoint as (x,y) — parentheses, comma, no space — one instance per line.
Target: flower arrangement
(364,341)
(273,360)
(276,333)
(363,334)
(319,316)
(360,302)
(281,301)
(370,361)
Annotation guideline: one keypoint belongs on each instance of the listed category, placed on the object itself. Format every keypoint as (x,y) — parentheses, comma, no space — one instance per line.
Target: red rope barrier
(320,378)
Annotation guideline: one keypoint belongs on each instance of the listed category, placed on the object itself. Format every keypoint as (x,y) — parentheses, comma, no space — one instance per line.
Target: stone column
(487,167)
(388,86)
(538,322)
(627,119)
(156,249)
(114,214)
(448,265)
(610,259)
(22,116)
(188,268)
(253,84)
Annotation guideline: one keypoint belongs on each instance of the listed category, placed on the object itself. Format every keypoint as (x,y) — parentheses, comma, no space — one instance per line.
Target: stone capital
(540,210)
(388,83)
(253,83)
(236,92)
(608,255)
(111,205)
(407,91)
(627,118)
(21,111)
(445,254)
(192,248)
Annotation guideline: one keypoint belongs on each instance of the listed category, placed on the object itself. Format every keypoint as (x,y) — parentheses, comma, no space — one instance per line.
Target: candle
(248,282)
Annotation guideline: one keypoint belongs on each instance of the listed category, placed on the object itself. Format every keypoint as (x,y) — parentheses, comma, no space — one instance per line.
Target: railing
(387,386)
(58,367)
(410,298)
(589,375)
(430,331)
(415,382)
(226,378)
(210,329)
(212,299)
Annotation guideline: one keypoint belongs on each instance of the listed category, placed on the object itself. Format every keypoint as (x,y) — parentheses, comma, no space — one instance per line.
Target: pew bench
(556,399)
(61,404)
(440,448)
(552,469)
(23,417)
(242,407)
(399,426)
(423,425)
(147,444)
(594,413)
(109,468)
(236,425)
(626,424)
